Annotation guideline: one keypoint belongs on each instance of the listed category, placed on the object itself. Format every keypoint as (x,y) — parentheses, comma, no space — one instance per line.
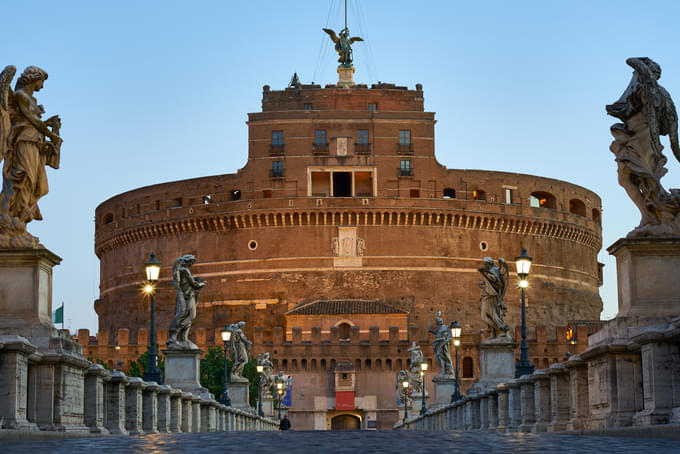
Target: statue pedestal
(417,403)
(268,406)
(182,370)
(239,395)
(646,270)
(444,387)
(26,294)
(497,363)
(346,76)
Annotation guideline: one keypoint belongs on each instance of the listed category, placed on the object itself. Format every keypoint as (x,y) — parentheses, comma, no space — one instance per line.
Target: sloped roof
(337,307)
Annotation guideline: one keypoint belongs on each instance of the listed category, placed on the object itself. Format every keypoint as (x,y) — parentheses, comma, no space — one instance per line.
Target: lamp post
(279,393)
(153,269)
(455,334)
(116,347)
(423,368)
(224,398)
(404,387)
(524,366)
(571,339)
(260,369)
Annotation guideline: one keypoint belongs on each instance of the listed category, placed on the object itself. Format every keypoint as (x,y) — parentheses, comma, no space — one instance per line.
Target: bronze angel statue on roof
(25,152)
(343,45)
(494,285)
(647,112)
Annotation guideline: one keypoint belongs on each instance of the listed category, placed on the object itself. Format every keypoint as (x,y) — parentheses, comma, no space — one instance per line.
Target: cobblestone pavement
(337,442)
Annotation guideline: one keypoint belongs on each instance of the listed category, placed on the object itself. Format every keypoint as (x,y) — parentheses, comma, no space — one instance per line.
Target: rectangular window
(308,106)
(405,137)
(277,168)
(405,164)
(534,202)
(320,137)
(362,137)
(372,107)
(277,138)
(508,196)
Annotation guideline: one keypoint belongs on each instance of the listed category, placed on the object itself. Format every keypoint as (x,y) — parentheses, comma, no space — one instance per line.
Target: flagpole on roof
(62,316)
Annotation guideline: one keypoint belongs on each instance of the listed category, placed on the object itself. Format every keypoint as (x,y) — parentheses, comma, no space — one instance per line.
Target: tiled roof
(335,307)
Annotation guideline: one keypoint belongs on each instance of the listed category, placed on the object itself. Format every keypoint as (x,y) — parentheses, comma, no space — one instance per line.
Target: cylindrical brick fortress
(342,198)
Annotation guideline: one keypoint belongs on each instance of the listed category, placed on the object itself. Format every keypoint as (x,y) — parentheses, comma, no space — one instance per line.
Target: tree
(212,373)
(137,367)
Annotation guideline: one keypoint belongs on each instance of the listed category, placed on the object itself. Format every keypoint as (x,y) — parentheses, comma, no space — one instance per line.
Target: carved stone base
(182,370)
(13,234)
(444,387)
(268,406)
(346,76)
(239,395)
(497,362)
(647,269)
(26,294)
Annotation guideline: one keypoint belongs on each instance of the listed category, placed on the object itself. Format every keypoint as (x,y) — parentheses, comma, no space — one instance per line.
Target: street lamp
(153,269)
(455,335)
(115,353)
(571,339)
(524,366)
(226,336)
(423,368)
(404,387)
(260,369)
(279,392)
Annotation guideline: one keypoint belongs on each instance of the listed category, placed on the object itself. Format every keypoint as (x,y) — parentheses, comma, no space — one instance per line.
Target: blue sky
(159,90)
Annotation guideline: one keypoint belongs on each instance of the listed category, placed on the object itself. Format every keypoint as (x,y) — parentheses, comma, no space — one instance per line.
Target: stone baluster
(187,413)
(15,354)
(150,407)
(492,411)
(133,406)
(484,412)
(659,364)
(115,403)
(527,406)
(560,399)
(503,408)
(195,413)
(542,400)
(204,408)
(164,410)
(475,415)
(579,402)
(95,383)
(514,405)
(175,424)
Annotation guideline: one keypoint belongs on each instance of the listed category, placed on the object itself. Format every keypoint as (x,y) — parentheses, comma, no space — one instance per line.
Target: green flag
(59,314)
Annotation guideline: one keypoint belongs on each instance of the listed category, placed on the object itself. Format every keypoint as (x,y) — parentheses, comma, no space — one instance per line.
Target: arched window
(343,330)
(479,194)
(449,193)
(323,364)
(546,363)
(468,370)
(108,218)
(540,199)
(367,364)
(378,364)
(284,364)
(388,364)
(596,216)
(577,207)
(304,364)
(357,364)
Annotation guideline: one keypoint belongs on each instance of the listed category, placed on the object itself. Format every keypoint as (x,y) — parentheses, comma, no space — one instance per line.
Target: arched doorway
(345,422)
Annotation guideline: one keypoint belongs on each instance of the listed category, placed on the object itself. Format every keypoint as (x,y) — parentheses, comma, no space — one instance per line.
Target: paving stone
(346,442)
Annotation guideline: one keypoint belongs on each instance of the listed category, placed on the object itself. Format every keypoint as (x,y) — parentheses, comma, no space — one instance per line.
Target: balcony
(276,173)
(362,148)
(402,172)
(405,148)
(320,149)
(276,149)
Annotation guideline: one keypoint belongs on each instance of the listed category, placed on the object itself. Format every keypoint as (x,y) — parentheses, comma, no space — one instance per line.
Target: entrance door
(342,184)
(345,422)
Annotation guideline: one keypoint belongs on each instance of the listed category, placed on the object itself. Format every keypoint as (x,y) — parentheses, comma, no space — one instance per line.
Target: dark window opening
(576,206)
(414,192)
(267,193)
(158,205)
(596,216)
(207,199)
(449,193)
(342,184)
(108,219)
(343,331)
(543,200)
(478,194)
(468,371)
(236,195)
(177,202)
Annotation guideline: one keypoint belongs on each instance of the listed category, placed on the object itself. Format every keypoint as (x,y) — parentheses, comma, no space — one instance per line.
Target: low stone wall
(58,390)
(632,380)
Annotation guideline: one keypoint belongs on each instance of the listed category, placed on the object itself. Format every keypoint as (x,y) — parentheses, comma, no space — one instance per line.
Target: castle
(339,241)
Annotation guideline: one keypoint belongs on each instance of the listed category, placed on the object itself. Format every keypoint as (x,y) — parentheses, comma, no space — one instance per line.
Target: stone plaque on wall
(341,149)
(347,247)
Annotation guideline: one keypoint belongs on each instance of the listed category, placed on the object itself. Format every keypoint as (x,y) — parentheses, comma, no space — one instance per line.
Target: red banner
(344,400)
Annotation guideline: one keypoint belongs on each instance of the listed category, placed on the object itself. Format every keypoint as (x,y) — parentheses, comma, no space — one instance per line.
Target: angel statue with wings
(26,152)
(494,285)
(343,45)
